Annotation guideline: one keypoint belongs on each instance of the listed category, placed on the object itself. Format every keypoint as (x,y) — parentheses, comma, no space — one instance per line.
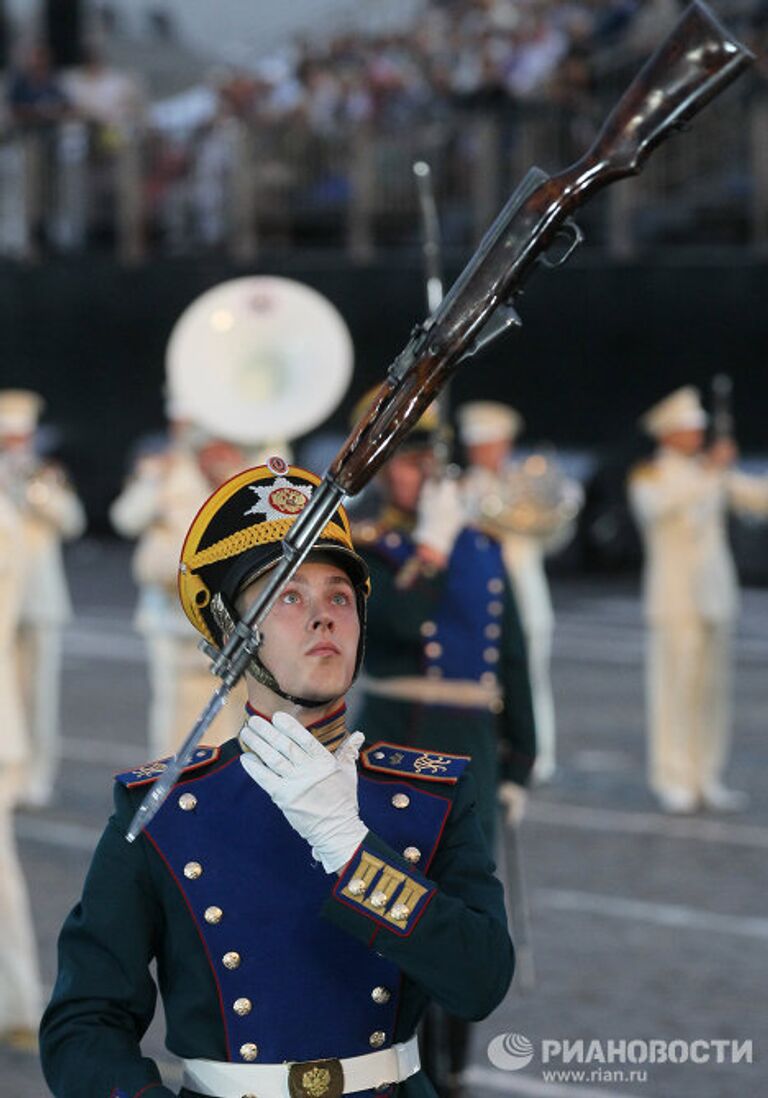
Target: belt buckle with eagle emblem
(316,1079)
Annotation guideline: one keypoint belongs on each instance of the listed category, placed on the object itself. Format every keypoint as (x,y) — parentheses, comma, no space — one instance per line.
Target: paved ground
(644,928)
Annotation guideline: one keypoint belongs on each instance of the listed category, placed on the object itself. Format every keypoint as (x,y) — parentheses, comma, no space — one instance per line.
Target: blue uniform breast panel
(467,638)
(464,640)
(301,988)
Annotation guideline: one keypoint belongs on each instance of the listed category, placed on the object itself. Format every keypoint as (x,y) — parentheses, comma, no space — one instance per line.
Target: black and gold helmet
(237,536)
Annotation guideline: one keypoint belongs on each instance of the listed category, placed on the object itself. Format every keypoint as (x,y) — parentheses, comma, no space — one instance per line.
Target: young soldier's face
(311,634)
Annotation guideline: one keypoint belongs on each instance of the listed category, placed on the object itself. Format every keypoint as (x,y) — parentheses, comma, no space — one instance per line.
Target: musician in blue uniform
(303,898)
(446,661)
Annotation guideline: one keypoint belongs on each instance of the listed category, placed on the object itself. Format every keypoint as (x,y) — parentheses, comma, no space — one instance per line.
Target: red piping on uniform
(202,939)
(315,725)
(431,857)
(183,783)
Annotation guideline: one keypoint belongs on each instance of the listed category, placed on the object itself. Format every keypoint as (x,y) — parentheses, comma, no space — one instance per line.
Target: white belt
(320,1078)
(460,693)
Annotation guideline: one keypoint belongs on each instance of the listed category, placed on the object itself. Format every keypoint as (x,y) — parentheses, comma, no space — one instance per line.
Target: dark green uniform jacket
(262,956)
(458,627)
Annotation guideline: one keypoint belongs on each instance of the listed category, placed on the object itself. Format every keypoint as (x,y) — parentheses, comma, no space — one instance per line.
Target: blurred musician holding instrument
(681,499)
(20,983)
(50,513)
(531,507)
(159,500)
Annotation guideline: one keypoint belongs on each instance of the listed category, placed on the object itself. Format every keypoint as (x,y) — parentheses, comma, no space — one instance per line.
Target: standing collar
(330,731)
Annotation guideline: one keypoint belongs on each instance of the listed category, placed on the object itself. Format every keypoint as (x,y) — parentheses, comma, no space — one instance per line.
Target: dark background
(600,342)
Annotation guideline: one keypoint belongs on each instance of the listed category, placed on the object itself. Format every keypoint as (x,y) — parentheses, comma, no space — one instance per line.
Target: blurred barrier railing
(237,187)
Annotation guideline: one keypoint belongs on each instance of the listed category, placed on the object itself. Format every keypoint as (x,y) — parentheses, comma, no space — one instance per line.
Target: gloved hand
(440,515)
(315,790)
(513,797)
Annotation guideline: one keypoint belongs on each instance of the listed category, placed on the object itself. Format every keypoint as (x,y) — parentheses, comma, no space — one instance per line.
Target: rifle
(695,63)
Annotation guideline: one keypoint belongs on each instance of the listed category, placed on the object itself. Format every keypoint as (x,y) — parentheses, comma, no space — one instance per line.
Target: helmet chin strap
(263,675)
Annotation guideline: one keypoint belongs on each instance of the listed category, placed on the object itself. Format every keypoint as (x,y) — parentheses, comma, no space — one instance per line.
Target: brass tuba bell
(259,360)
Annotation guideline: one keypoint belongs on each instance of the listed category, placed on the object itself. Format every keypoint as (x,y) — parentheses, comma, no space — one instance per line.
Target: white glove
(440,515)
(315,790)
(513,797)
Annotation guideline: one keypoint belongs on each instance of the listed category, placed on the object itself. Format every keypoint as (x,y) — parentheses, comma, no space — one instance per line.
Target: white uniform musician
(680,500)
(530,506)
(20,991)
(157,505)
(251,364)
(50,512)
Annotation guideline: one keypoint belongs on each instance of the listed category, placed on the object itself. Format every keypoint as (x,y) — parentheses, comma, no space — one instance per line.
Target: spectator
(35,95)
(103,94)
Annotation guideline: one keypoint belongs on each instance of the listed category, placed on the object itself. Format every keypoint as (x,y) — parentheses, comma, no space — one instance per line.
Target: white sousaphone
(259,360)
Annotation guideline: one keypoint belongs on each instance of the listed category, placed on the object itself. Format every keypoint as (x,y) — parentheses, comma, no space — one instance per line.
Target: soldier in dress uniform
(20,990)
(445,652)
(445,660)
(157,504)
(302,903)
(532,515)
(50,512)
(680,499)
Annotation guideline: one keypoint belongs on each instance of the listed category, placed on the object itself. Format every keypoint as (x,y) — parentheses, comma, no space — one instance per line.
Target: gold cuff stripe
(384,891)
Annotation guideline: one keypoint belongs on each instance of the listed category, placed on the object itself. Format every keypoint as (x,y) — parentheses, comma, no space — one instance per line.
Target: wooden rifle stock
(694,64)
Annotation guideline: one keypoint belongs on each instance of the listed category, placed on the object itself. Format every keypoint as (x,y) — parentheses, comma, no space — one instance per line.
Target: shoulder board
(410,762)
(142,775)
(644,471)
(366,532)
(382,537)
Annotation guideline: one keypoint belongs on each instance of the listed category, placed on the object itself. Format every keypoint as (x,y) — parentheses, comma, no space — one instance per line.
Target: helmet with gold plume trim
(237,536)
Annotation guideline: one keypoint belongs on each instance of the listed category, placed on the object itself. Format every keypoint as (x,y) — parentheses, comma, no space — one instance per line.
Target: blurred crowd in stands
(464,53)
(95,91)
(493,57)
